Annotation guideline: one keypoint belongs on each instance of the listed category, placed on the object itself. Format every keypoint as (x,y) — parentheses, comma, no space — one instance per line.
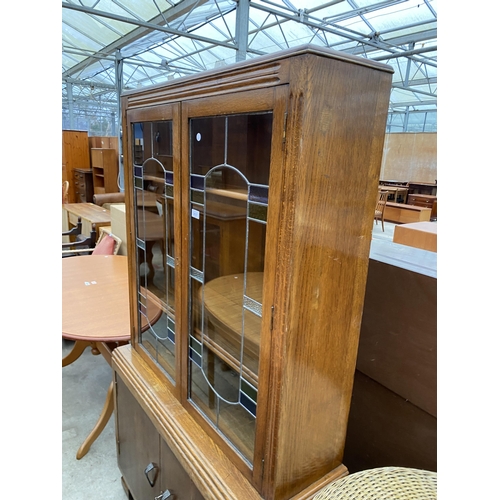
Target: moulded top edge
(268,58)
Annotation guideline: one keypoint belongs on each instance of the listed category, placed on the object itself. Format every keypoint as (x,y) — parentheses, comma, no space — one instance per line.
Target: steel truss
(189,36)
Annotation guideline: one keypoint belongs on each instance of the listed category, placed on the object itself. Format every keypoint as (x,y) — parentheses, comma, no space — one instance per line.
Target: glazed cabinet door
(154,159)
(235,151)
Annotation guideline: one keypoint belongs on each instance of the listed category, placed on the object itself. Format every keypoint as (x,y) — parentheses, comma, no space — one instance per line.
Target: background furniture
(79,243)
(397,194)
(426,188)
(393,416)
(83,185)
(105,232)
(384,483)
(417,234)
(380,207)
(267,420)
(403,213)
(424,200)
(95,307)
(106,199)
(91,216)
(106,142)
(104,170)
(75,154)
(65,192)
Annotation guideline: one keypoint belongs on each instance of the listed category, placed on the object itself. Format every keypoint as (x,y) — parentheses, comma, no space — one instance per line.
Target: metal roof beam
(144,27)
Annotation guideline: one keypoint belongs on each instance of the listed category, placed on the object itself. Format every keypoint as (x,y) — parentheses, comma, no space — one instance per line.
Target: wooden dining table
(90,214)
(396,191)
(95,314)
(222,300)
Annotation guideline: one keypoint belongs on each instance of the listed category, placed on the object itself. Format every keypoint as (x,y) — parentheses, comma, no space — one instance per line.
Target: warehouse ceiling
(114,45)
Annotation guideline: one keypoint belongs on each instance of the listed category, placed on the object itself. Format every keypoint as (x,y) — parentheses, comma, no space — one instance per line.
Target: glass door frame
(273,99)
(158,113)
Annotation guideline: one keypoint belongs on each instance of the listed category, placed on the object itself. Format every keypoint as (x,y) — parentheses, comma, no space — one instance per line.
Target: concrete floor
(95,476)
(84,385)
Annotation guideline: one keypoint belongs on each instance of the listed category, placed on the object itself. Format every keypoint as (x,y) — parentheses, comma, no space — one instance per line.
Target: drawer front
(80,196)
(420,201)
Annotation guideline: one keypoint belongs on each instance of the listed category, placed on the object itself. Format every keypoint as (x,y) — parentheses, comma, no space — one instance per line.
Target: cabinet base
(213,474)
(125,488)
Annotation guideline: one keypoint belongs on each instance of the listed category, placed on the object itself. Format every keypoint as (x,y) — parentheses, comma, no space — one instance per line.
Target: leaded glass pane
(154,215)
(229,176)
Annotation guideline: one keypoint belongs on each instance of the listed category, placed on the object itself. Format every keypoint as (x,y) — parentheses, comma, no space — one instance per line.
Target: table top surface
(425,226)
(392,188)
(223,299)
(150,226)
(89,211)
(425,196)
(95,300)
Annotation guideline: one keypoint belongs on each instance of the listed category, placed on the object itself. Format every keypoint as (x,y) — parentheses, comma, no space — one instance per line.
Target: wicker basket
(385,483)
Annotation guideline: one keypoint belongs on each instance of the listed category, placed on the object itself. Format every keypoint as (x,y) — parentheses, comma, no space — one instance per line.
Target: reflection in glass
(154,214)
(229,175)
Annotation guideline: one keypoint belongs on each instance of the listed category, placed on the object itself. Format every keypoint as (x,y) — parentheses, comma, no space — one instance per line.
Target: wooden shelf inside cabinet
(260,261)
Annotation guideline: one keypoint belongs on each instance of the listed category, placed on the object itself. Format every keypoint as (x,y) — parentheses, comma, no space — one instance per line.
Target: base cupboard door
(138,447)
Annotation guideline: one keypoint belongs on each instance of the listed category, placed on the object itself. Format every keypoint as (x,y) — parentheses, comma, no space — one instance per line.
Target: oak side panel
(331,190)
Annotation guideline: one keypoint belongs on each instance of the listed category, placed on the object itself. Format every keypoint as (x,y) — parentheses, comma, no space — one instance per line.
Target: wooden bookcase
(265,175)
(104,170)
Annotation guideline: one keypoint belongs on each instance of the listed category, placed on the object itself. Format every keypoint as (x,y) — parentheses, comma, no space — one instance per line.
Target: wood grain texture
(405,214)
(331,186)
(75,154)
(419,235)
(95,298)
(410,157)
(104,170)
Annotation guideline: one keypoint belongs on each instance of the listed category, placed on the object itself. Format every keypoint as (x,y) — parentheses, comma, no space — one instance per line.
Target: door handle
(151,467)
(166,494)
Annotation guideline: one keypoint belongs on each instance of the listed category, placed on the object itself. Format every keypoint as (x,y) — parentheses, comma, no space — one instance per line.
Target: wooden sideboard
(417,234)
(393,417)
(83,185)
(424,200)
(423,188)
(402,213)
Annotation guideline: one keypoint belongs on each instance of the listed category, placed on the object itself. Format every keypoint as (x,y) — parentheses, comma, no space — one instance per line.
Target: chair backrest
(381,202)
(65,192)
(76,230)
(81,246)
(103,247)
